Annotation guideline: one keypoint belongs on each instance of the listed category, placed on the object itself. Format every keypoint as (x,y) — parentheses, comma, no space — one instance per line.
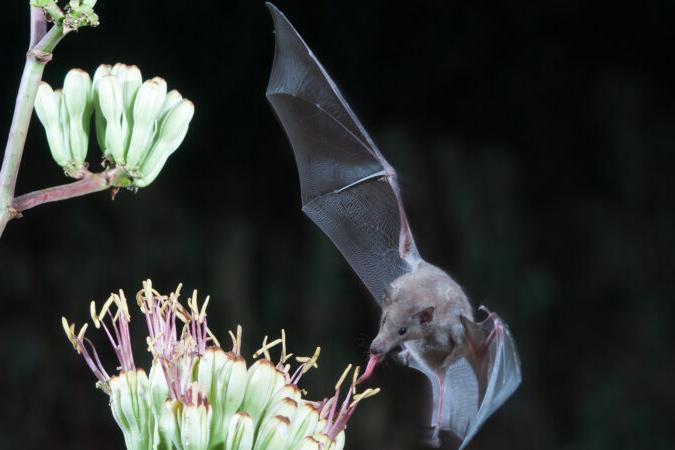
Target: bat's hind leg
(434,439)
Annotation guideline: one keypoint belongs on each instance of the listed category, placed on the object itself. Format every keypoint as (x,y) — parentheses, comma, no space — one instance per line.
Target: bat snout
(377,350)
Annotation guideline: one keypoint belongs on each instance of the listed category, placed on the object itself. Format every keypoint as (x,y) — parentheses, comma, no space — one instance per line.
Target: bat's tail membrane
(474,389)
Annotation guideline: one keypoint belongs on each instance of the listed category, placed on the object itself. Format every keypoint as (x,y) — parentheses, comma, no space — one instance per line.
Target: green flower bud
(321,425)
(99,118)
(147,106)
(169,424)
(171,100)
(261,387)
(47,110)
(77,99)
(240,433)
(159,390)
(170,135)
(288,391)
(109,96)
(186,425)
(214,375)
(304,423)
(194,427)
(130,405)
(159,394)
(273,434)
(65,126)
(236,387)
(130,80)
(285,408)
(308,443)
(324,441)
(340,440)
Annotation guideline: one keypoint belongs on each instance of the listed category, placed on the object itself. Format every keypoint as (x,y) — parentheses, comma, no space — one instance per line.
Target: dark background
(534,143)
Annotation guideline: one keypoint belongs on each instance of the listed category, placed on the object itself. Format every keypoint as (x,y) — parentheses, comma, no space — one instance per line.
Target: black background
(534,143)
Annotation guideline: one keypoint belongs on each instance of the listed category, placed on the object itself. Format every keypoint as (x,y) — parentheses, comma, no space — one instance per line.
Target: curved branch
(90,183)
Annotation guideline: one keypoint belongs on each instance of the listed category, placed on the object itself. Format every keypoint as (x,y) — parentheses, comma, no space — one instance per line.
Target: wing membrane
(347,187)
(478,384)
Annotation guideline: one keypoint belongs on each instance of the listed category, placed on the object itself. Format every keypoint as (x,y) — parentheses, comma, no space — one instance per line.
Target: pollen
(342,377)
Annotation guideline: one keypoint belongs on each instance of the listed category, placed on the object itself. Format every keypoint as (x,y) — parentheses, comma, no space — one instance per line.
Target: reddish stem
(91,182)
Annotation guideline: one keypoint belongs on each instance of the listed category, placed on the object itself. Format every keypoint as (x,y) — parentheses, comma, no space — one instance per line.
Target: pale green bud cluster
(66,115)
(199,397)
(138,124)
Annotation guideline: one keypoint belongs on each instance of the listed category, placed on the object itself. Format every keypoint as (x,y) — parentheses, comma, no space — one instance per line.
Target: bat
(351,192)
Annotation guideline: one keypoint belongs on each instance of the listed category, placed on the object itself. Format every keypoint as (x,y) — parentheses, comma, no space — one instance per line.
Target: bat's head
(405,317)
(417,304)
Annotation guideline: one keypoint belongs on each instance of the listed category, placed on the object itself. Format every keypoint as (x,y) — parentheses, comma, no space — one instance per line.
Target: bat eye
(402,331)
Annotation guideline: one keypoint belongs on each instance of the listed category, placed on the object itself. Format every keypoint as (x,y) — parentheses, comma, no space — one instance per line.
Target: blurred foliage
(535,146)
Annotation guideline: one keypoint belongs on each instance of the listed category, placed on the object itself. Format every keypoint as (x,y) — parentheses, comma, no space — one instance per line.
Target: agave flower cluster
(138,124)
(199,397)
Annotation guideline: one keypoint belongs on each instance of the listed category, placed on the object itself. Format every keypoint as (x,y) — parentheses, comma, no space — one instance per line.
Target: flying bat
(351,192)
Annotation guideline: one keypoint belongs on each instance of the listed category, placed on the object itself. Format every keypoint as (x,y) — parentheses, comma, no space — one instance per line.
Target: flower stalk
(36,59)
(42,43)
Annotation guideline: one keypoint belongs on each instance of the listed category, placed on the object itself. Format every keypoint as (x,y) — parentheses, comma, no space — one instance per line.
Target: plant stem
(38,26)
(36,59)
(91,182)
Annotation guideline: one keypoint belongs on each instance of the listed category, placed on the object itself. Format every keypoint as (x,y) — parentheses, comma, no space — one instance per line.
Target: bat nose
(376,350)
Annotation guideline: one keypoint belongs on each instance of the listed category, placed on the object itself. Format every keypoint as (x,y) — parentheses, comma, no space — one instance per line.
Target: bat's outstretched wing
(477,384)
(348,189)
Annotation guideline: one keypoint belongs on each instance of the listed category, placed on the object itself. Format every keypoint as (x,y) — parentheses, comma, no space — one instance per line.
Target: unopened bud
(273,434)
(129,402)
(147,105)
(261,384)
(171,133)
(99,119)
(308,443)
(109,102)
(77,98)
(47,110)
(240,433)
(304,423)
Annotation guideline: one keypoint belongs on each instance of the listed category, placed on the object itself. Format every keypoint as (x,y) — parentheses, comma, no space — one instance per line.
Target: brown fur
(428,304)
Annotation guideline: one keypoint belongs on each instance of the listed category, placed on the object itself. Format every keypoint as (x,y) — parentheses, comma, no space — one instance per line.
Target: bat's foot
(497,327)
(431,436)
(496,330)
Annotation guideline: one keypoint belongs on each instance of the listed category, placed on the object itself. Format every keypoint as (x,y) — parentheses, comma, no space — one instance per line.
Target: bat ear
(388,296)
(425,316)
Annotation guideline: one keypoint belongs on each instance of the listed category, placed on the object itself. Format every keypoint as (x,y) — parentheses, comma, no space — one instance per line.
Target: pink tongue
(370,368)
